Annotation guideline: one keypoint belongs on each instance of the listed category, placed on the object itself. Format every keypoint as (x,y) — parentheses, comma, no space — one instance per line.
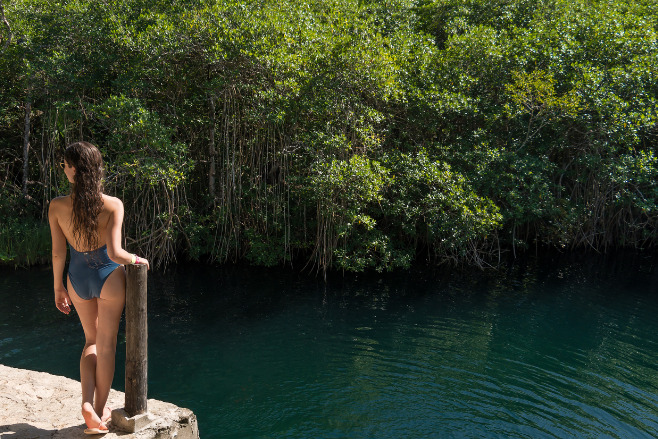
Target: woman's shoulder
(61,199)
(112,203)
(57,202)
(60,207)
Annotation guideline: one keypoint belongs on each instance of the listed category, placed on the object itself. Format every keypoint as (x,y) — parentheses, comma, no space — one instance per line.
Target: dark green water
(565,351)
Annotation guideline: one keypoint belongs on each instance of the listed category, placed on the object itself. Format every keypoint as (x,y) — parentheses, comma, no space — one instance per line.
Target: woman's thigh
(110,306)
(87,312)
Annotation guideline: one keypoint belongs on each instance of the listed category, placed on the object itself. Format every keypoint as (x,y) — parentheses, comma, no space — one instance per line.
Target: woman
(91,222)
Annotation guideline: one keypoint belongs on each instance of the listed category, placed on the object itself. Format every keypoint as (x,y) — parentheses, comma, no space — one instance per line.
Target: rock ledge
(40,405)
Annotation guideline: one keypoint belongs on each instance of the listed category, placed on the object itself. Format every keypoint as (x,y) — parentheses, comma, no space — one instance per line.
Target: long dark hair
(86,192)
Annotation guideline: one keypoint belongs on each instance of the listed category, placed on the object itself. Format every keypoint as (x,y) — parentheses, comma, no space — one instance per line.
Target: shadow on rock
(27,431)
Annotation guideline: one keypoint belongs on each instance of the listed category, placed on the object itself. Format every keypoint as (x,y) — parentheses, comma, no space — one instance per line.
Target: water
(565,351)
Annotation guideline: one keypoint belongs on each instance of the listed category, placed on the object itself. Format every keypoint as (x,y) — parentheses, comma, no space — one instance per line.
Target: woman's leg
(110,307)
(88,312)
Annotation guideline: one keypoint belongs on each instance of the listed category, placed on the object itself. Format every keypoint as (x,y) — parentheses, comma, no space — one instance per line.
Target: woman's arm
(114,225)
(62,299)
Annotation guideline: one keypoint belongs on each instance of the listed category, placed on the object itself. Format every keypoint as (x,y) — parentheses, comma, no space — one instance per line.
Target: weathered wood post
(165,420)
(136,340)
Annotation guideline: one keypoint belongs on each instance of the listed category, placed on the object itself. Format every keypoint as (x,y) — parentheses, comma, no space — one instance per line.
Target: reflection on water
(568,350)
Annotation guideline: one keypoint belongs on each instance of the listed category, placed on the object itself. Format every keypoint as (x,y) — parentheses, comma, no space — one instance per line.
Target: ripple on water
(531,358)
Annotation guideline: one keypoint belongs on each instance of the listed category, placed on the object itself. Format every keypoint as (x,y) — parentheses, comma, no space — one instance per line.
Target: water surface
(548,350)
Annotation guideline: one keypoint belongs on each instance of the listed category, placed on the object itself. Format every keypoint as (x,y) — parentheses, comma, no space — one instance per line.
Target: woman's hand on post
(142,261)
(62,299)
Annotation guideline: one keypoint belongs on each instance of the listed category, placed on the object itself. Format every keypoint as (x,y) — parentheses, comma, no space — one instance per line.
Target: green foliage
(343,188)
(351,134)
(430,203)
(137,145)
(265,250)
(344,191)
(24,241)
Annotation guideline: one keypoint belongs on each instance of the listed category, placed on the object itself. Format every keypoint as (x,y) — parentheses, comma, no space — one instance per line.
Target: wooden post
(136,340)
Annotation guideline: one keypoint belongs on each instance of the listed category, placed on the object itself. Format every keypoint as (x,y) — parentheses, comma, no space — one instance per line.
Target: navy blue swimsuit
(88,271)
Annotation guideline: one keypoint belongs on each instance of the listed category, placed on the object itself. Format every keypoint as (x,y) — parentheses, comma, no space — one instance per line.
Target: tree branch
(4,20)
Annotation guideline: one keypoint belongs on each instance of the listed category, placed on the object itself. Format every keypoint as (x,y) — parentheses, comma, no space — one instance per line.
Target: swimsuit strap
(99,249)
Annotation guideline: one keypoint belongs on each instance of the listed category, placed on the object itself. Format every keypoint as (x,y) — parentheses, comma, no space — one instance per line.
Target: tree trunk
(26,145)
(211,172)
(6,23)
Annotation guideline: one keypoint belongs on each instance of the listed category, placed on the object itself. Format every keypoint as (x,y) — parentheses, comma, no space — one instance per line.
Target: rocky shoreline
(40,405)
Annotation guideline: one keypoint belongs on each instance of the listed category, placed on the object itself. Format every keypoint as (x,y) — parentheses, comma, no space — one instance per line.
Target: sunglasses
(62,164)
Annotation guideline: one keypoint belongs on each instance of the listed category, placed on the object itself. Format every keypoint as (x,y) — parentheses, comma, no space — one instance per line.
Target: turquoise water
(564,351)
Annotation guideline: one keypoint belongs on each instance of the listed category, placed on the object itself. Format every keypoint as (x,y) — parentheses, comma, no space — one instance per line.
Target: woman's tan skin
(99,317)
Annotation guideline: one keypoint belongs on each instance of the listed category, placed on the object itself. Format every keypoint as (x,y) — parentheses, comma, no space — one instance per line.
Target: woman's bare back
(62,208)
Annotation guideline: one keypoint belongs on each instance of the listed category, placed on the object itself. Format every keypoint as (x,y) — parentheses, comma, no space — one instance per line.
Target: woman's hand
(143,261)
(62,299)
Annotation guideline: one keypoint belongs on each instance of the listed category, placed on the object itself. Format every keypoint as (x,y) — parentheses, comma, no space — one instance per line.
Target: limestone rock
(36,405)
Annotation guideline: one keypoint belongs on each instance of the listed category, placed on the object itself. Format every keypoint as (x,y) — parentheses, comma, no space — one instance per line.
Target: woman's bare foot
(107,414)
(91,418)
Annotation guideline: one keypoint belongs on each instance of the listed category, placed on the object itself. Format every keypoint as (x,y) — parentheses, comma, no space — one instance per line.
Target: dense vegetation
(345,134)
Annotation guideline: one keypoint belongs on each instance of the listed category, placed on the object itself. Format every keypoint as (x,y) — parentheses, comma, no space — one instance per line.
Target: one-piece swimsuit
(88,271)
